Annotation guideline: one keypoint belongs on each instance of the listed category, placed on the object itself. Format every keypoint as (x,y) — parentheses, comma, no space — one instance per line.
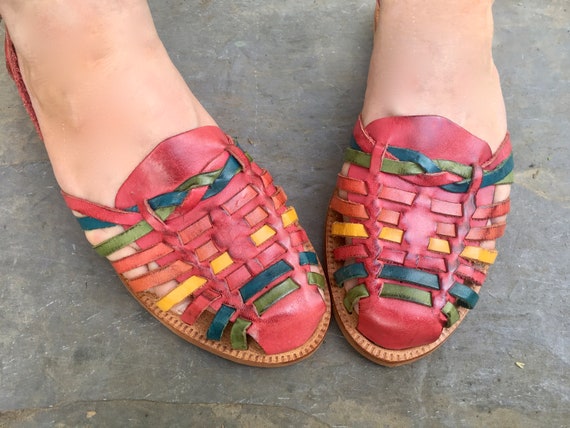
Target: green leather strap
(357,157)
(238,334)
(129,236)
(266,300)
(401,168)
(204,179)
(411,162)
(317,279)
(451,313)
(354,295)
(400,292)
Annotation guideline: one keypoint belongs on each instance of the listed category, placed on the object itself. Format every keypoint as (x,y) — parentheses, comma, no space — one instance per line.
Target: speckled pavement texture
(287,79)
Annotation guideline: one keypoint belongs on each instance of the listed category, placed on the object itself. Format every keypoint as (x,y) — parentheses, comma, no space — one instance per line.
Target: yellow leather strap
(289,217)
(439,245)
(183,290)
(262,235)
(391,234)
(221,262)
(479,254)
(351,230)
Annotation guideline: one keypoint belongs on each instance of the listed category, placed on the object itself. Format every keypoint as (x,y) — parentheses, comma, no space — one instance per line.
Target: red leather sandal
(404,233)
(249,287)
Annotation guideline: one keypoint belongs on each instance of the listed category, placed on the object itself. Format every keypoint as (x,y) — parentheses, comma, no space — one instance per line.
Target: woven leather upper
(217,225)
(414,207)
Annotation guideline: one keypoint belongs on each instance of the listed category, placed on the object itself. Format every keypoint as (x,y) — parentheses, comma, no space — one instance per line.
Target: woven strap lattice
(228,246)
(415,229)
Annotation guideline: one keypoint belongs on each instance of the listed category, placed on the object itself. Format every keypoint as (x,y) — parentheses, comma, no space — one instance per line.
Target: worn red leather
(290,322)
(418,207)
(249,284)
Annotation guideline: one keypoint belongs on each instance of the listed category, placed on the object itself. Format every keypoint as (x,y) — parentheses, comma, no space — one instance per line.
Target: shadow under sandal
(204,217)
(404,233)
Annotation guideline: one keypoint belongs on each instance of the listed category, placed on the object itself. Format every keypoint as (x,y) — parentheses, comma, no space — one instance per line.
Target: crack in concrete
(135,411)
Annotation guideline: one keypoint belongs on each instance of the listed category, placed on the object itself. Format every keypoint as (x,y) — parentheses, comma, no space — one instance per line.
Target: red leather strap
(142,258)
(240,199)
(279,198)
(421,132)
(266,178)
(100,212)
(471,274)
(349,209)
(446,208)
(435,264)
(195,230)
(487,233)
(13,67)
(432,180)
(389,216)
(494,210)
(447,229)
(198,306)
(347,252)
(207,250)
(392,255)
(352,185)
(271,253)
(159,276)
(397,195)
(299,238)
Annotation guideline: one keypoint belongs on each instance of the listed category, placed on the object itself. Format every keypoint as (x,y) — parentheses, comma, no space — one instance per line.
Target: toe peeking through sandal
(410,233)
(245,282)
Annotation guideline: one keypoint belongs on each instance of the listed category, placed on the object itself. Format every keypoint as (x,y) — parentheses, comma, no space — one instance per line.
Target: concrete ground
(287,79)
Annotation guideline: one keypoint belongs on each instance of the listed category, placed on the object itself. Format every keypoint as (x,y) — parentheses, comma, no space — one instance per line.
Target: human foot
(197,232)
(436,59)
(102,87)
(94,133)
(411,229)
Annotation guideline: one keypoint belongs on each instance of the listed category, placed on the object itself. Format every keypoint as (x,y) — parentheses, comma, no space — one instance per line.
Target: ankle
(104,100)
(436,59)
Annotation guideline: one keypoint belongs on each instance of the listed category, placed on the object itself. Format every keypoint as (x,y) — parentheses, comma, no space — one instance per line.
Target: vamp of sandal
(210,225)
(407,230)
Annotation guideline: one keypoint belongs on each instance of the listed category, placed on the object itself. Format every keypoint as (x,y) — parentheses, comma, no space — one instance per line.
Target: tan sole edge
(254,356)
(348,322)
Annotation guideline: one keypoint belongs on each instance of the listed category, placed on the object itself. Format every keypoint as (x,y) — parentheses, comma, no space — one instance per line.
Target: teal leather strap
(354,270)
(220,322)
(465,296)
(414,276)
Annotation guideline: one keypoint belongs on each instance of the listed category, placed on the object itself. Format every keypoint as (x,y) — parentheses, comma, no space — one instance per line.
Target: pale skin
(84,64)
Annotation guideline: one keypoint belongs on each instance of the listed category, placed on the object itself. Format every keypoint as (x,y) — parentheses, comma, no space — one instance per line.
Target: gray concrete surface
(287,78)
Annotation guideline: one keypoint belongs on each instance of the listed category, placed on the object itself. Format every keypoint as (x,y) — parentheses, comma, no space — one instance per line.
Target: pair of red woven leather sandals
(403,237)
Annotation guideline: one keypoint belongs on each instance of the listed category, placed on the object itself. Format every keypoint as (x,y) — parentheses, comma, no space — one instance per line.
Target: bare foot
(105,93)
(435,58)
(102,86)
